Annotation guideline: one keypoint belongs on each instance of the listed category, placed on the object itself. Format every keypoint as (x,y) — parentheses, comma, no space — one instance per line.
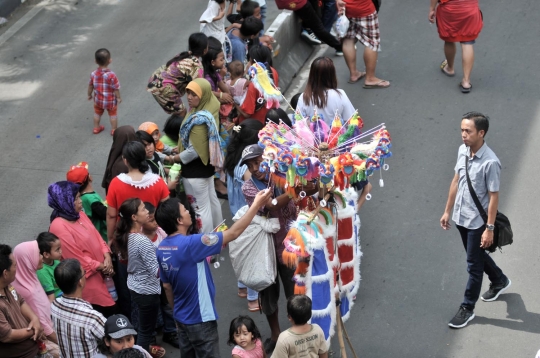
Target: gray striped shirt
(142,265)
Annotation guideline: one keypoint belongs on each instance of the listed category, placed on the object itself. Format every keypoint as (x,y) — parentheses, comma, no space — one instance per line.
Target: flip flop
(242,294)
(363,74)
(465,89)
(443,65)
(377,85)
(99,129)
(254,309)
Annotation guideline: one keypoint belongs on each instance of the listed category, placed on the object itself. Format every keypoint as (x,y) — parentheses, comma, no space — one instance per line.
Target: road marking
(23,21)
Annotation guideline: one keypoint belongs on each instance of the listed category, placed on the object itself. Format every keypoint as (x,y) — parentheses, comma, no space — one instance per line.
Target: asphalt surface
(413,273)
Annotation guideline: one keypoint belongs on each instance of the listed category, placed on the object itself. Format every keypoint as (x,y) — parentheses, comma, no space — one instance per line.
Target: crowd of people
(110,273)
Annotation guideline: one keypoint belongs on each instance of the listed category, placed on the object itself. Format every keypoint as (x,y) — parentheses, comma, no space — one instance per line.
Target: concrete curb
(290,52)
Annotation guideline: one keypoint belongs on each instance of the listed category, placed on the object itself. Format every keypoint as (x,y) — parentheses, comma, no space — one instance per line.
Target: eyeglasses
(83,275)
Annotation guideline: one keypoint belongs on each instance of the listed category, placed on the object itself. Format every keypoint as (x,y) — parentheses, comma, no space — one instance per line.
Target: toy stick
(346,334)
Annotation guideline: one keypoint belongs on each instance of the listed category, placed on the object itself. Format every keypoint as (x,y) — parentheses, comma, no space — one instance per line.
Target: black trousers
(313,21)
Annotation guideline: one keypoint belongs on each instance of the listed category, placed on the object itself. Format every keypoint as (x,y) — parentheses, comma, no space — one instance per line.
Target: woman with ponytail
(245,134)
(142,268)
(168,83)
(138,182)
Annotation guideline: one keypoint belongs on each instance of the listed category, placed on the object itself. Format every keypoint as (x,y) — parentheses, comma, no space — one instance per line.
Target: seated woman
(322,94)
(80,240)
(120,334)
(27,284)
(200,153)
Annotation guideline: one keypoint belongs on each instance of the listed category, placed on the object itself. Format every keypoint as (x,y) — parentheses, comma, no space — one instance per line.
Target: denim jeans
(148,309)
(478,262)
(263,18)
(199,340)
(252,295)
(329,14)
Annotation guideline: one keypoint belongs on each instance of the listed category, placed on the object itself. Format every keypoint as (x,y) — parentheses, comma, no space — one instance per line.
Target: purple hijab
(61,198)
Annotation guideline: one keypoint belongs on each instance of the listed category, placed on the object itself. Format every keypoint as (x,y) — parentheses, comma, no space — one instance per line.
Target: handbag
(502,234)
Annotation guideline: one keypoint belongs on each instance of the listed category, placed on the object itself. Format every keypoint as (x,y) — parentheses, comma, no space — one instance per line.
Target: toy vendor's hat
(250,152)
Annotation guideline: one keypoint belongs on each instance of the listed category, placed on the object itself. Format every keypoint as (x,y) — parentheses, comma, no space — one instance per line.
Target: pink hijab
(27,283)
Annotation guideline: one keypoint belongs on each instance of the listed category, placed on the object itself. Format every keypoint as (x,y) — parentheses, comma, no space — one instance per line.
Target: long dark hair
(261,53)
(322,77)
(172,127)
(207,59)
(249,134)
(135,154)
(198,42)
(128,208)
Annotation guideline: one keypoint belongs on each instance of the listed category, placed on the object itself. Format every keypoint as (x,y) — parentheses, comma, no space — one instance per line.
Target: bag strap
(473,193)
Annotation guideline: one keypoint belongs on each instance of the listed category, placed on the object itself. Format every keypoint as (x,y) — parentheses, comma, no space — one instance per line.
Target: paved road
(413,273)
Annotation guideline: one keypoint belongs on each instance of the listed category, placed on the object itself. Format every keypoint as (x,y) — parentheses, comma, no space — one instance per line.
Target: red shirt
(105,83)
(252,95)
(359,8)
(119,191)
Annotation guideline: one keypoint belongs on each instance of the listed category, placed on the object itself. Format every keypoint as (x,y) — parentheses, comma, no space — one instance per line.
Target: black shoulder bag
(502,234)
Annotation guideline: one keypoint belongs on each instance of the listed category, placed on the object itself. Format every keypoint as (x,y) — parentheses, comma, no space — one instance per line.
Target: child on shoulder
(245,335)
(93,205)
(302,339)
(50,248)
(105,89)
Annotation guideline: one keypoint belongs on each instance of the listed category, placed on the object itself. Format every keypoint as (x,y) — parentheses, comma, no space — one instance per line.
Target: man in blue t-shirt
(251,26)
(186,276)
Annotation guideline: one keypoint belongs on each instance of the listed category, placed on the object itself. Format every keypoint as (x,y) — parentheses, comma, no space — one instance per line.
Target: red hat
(78,173)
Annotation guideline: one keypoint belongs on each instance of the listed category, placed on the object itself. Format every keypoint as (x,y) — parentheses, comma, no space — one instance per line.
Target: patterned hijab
(61,198)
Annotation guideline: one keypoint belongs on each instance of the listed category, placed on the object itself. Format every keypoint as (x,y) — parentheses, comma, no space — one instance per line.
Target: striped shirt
(79,328)
(142,266)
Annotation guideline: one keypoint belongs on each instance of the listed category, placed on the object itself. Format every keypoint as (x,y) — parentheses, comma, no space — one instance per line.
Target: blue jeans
(263,18)
(199,340)
(329,14)
(252,295)
(478,262)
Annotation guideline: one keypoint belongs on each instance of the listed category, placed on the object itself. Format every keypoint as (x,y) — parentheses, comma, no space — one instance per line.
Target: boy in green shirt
(50,248)
(93,205)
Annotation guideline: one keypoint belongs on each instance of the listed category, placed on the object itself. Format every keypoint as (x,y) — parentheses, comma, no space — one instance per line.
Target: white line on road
(22,21)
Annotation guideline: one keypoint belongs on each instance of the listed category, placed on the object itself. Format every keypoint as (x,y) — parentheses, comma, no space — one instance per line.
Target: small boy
(50,248)
(302,339)
(93,205)
(105,87)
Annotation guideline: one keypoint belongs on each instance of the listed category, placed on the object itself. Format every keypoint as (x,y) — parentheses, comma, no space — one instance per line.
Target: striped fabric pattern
(79,328)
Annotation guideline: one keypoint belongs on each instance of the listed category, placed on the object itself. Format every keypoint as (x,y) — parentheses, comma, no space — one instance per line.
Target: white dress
(213,28)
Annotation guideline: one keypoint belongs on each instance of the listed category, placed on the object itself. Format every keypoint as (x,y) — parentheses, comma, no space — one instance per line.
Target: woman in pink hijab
(27,284)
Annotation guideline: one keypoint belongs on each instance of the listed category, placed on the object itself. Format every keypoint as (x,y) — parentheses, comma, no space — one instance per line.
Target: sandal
(242,292)
(442,66)
(254,309)
(112,131)
(157,351)
(465,89)
(99,129)
(362,75)
(377,85)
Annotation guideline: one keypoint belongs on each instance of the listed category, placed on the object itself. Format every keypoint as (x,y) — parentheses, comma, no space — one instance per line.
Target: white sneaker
(310,37)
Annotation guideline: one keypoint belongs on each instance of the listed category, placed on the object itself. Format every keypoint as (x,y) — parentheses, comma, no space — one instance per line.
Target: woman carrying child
(168,83)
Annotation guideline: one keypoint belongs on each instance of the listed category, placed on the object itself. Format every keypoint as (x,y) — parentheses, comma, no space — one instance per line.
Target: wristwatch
(490,227)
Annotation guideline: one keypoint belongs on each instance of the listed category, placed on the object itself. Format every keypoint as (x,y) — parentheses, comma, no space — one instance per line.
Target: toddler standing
(247,339)
(105,88)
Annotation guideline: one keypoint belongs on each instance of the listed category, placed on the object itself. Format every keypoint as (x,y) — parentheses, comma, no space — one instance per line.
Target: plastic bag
(341,25)
(253,255)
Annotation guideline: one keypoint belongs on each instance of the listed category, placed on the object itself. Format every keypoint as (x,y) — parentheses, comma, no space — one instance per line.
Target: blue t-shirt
(239,48)
(182,264)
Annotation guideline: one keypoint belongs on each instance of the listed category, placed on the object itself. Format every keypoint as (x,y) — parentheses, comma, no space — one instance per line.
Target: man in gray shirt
(484,171)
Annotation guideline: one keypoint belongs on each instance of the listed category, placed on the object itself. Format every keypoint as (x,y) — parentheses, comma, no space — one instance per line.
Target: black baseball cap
(250,152)
(118,326)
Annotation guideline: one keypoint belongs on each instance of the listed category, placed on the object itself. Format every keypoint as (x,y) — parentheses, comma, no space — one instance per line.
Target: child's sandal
(99,129)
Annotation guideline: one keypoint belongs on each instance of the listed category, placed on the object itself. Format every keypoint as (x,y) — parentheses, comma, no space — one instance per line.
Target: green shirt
(87,200)
(46,278)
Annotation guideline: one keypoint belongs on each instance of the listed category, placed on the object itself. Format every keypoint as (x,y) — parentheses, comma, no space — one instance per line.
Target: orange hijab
(150,127)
